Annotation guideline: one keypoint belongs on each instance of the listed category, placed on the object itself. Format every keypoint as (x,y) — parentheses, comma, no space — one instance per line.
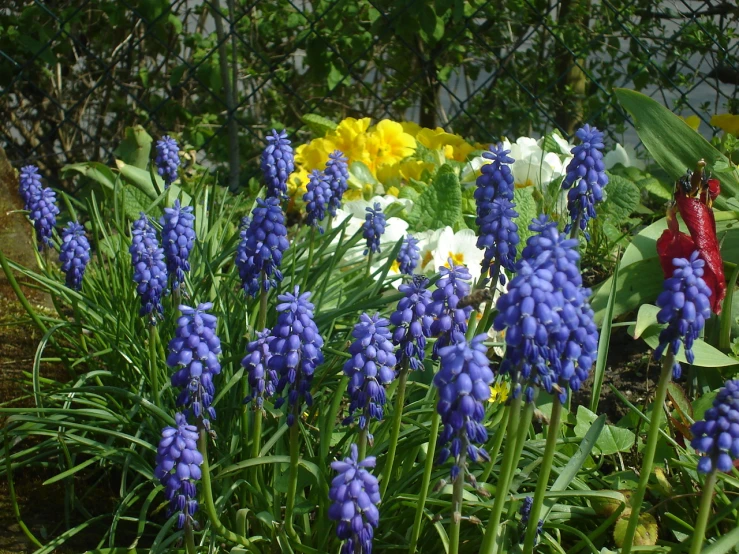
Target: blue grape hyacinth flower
(717,434)
(167,159)
(355,495)
(498,235)
(586,177)
(412,322)
(373,228)
(685,307)
(295,349)
(178,464)
(42,211)
(263,244)
(262,379)
(149,267)
(178,238)
(463,382)
(29,184)
(370,369)
(449,319)
(277,164)
(74,254)
(337,172)
(317,198)
(193,354)
(409,255)
(551,338)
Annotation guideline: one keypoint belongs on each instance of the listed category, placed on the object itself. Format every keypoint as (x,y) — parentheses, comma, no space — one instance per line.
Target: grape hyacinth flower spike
(316,198)
(295,350)
(337,172)
(685,306)
(42,211)
(277,164)
(29,184)
(193,353)
(525,512)
(263,243)
(496,211)
(178,468)
(149,268)
(409,255)
(74,254)
(373,228)
(167,159)
(585,179)
(178,238)
(450,321)
(716,436)
(370,369)
(355,495)
(262,379)
(412,322)
(463,382)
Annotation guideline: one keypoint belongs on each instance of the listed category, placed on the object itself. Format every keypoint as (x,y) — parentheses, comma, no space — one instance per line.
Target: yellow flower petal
(693,121)
(727,122)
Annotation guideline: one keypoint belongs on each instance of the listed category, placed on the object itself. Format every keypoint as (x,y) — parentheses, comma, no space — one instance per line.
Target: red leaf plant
(694,196)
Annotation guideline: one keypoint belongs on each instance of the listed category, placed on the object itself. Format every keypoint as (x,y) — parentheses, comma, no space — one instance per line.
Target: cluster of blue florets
(449,319)
(551,338)
(370,369)
(178,468)
(167,159)
(262,379)
(408,255)
(373,228)
(74,254)
(277,164)
(149,267)
(412,322)
(355,495)
(685,307)
(337,173)
(295,349)
(193,353)
(30,184)
(178,238)
(717,434)
(586,177)
(498,234)
(263,243)
(316,198)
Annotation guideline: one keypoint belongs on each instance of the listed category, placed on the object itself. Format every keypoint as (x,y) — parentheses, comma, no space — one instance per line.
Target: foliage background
(75,74)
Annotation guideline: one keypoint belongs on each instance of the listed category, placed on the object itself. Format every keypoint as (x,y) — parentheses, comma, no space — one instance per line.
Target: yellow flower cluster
(386,149)
(727,122)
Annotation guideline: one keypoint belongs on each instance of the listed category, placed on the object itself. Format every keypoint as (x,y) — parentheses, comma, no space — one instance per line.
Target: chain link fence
(220,73)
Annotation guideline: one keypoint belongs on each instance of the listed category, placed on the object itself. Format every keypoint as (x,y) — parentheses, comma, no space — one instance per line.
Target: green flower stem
(387,472)
(648,460)
(500,433)
(575,231)
(309,263)
(369,264)
(189,538)
(704,511)
(523,428)
(154,364)
(429,465)
(362,442)
(504,478)
(210,506)
(544,472)
(484,323)
(292,486)
(457,501)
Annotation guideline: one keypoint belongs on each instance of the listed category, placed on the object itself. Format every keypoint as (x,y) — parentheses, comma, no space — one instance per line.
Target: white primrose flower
(461,247)
(624,155)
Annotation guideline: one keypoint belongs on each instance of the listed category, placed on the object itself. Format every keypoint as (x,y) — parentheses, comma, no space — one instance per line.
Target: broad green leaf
(622,200)
(646,530)
(440,205)
(334,77)
(362,173)
(610,440)
(673,144)
(725,544)
(134,202)
(318,124)
(141,179)
(96,171)
(702,403)
(527,211)
(705,354)
(646,318)
(135,149)
(639,283)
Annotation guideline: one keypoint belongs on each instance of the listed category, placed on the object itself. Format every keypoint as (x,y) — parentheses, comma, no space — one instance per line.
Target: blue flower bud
(74,254)
(167,159)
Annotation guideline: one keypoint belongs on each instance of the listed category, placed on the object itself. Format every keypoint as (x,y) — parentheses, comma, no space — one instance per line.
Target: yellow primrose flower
(411,127)
(693,121)
(727,122)
(297,182)
(388,143)
(388,172)
(393,191)
(314,155)
(413,169)
(350,136)
(458,152)
(499,392)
